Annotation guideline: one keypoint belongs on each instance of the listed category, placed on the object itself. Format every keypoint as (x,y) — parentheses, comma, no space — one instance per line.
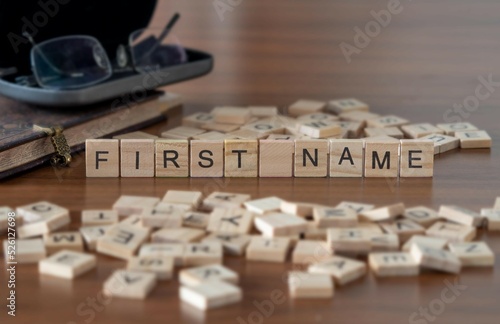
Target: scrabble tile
(233,220)
(241,158)
(404,229)
(41,210)
(197,119)
(263,111)
(203,253)
(161,266)
(473,254)
(317,117)
(354,128)
(304,107)
(276,158)
(308,251)
(192,198)
(248,134)
(442,143)
(46,225)
(417,158)
(182,132)
(358,116)
(452,232)
(55,242)
(268,249)
(224,200)
(334,217)
(385,213)
(133,205)
(320,129)
(5,214)
(67,264)
(370,228)
(232,243)
(420,130)
(349,240)
(433,242)
(212,136)
(390,264)
(381,159)
(210,294)
(313,232)
(264,205)
(177,235)
(421,215)
(195,219)
(280,224)
(387,121)
(96,217)
(207,158)
(346,158)
(451,128)
(297,208)
(342,270)
(474,139)
(162,215)
(311,158)
(436,259)
(137,158)
(460,215)
(135,135)
(492,217)
(26,251)
(102,158)
(134,220)
(220,127)
(264,127)
(231,115)
(174,251)
(172,158)
(129,284)
(280,137)
(91,234)
(310,285)
(384,242)
(388,131)
(346,105)
(207,273)
(356,206)
(122,241)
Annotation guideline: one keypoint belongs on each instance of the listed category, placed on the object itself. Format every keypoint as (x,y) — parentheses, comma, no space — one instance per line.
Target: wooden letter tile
(308,251)
(191,198)
(177,235)
(433,242)
(232,244)
(231,115)
(343,270)
(421,215)
(417,158)
(442,143)
(385,213)
(241,158)
(451,128)
(310,285)
(320,128)
(276,158)
(311,158)
(172,158)
(263,111)
(264,205)
(384,131)
(40,211)
(393,264)
(473,254)
(135,135)
(334,217)
(91,234)
(99,217)
(196,254)
(207,158)
(211,272)
(474,139)
(237,220)
(304,107)
(52,219)
(356,206)
(384,242)
(102,158)
(162,215)
(452,232)
(197,119)
(353,240)
(346,105)
(381,159)
(279,224)
(161,266)
(420,130)
(195,219)
(460,215)
(268,249)
(67,264)
(182,132)
(387,121)
(492,217)
(211,294)
(404,229)
(224,200)
(173,251)
(436,259)
(137,158)
(122,241)
(129,284)
(55,242)
(346,158)
(133,205)
(26,251)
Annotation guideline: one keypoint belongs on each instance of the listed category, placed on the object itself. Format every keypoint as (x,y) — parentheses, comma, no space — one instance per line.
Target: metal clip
(62,156)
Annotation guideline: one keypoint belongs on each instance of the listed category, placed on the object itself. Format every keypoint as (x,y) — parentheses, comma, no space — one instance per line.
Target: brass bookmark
(62,155)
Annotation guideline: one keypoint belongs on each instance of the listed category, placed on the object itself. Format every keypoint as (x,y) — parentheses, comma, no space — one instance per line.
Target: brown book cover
(24,144)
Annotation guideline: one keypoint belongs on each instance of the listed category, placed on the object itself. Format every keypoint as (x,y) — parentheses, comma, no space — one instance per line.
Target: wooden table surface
(427,59)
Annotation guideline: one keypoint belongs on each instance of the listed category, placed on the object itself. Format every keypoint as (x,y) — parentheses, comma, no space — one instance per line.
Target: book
(25,142)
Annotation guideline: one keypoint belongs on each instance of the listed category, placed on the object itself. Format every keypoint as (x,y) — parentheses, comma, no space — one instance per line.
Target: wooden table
(425,61)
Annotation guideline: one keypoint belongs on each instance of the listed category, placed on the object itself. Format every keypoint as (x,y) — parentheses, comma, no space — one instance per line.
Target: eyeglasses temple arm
(35,48)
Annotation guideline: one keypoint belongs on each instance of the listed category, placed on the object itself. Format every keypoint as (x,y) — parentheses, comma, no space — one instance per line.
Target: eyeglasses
(79,61)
